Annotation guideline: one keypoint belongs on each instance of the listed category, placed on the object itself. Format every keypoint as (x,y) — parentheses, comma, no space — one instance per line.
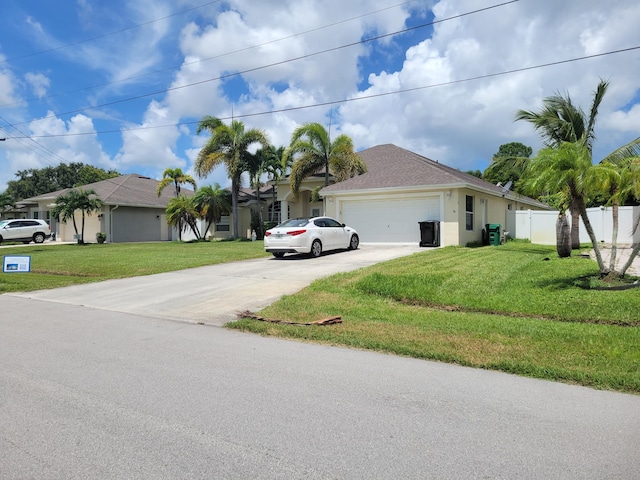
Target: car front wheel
(316,248)
(355,241)
(38,237)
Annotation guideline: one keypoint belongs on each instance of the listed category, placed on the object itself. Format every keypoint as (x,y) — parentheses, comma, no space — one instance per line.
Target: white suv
(24,230)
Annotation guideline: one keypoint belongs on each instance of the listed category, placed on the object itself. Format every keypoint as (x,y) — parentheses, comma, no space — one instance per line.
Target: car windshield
(3,223)
(294,222)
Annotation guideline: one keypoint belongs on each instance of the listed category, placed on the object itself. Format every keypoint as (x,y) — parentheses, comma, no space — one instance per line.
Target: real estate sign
(16,264)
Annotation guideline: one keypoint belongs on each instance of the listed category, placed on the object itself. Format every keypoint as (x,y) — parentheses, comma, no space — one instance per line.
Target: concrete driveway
(214,294)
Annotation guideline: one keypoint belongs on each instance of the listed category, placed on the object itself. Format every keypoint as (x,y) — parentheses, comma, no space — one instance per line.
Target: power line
(155,72)
(365,97)
(28,147)
(98,37)
(250,70)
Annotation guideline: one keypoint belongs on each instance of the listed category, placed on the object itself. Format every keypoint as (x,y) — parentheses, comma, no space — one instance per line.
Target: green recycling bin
(493,233)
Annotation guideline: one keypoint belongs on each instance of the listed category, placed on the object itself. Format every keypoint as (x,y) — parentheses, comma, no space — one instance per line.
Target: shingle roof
(131,190)
(389,166)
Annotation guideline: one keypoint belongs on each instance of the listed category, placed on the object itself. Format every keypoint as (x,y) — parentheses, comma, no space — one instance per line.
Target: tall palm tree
(228,145)
(561,121)
(66,205)
(312,150)
(211,203)
(275,169)
(175,177)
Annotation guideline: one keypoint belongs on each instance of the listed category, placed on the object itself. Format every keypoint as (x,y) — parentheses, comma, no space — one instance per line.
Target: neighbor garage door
(391,220)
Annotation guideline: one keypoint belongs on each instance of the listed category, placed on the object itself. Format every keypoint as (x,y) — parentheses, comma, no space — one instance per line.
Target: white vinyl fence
(539,226)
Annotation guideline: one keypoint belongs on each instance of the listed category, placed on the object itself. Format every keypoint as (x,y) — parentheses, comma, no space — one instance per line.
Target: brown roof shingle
(131,190)
(389,166)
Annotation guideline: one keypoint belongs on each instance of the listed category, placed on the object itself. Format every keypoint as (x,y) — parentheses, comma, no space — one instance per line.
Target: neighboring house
(292,206)
(247,203)
(132,211)
(401,189)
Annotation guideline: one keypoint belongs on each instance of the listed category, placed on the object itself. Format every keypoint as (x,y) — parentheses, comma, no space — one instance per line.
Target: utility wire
(250,70)
(364,97)
(172,68)
(98,37)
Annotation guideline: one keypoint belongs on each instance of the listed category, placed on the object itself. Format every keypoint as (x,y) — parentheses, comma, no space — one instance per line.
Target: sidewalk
(622,255)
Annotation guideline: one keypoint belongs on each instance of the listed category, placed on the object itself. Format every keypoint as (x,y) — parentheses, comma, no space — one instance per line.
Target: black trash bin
(429,234)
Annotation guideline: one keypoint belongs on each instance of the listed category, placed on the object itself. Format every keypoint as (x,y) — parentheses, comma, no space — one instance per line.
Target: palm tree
(312,145)
(569,168)
(561,121)
(66,205)
(176,177)
(211,203)
(618,177)
(182,213)
(275,169)
(228,145)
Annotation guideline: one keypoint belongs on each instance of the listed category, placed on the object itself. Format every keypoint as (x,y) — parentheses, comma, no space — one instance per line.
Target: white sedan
(309,235)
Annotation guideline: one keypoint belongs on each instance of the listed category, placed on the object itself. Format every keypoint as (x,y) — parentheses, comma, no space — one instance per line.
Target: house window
(223,226)
(274,212)
(315,212)
(469,212)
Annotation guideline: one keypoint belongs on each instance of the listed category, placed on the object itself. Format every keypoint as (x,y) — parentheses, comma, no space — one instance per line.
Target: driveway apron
(215,294)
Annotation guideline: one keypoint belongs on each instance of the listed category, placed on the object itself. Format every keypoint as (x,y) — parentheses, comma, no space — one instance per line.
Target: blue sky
(122,84)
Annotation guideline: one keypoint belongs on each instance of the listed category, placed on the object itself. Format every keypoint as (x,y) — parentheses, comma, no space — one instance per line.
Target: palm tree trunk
(563,237)
(234,205)
(614,237)
(634,252)
(596,248)
(575,226)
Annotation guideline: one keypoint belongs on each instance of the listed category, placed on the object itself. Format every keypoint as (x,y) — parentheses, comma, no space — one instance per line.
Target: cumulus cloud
(38,82)
(443,91)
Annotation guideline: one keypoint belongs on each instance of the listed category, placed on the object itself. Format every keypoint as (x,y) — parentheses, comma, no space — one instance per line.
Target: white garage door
(393,220)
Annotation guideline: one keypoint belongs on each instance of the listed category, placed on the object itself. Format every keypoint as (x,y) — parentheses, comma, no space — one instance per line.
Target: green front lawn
(61,265)
(516,308)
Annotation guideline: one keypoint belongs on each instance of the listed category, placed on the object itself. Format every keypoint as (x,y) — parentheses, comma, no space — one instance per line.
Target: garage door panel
(392,221)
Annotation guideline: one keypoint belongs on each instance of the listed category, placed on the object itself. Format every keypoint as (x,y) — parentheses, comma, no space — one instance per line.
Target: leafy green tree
(508,164)
(38,181)
(212,203)
(6,200)
(182,213)
(311,150)
(228,145)
(68,203)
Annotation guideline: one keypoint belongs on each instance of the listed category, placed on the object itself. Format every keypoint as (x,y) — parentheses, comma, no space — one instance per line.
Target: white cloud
(38,82)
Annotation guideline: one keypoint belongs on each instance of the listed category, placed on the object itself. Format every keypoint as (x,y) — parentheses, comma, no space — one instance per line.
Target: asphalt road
(88,392)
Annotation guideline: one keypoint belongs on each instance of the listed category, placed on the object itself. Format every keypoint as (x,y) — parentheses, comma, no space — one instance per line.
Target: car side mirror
(343,225)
